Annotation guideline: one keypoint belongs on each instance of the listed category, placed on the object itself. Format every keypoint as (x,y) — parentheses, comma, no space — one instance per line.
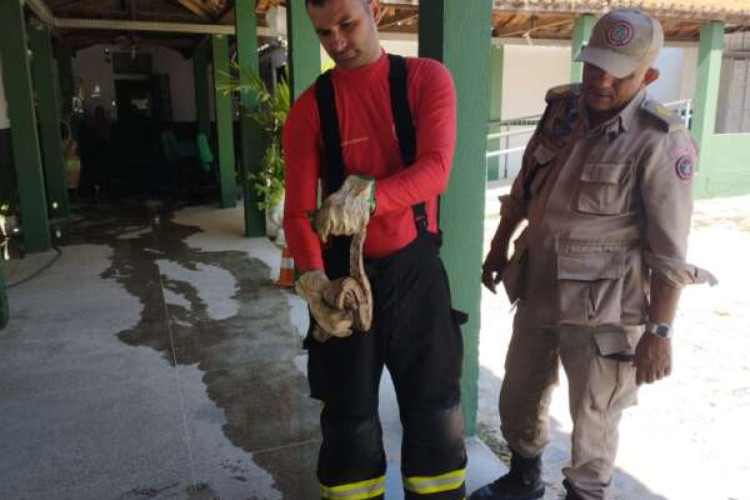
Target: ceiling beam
(534,27)
(42,11)
(194,6)
(157,27)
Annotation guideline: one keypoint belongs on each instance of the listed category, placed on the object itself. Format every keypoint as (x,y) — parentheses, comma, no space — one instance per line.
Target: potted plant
(270,114)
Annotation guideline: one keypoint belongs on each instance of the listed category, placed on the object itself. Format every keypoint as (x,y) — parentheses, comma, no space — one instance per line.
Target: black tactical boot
(523,482)
(571,493)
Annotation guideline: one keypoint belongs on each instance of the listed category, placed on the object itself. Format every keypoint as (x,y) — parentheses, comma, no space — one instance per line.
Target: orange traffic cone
(286,273)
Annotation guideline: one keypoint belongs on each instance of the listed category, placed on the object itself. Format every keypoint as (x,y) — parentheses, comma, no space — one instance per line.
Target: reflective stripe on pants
(428,485)
(362,490)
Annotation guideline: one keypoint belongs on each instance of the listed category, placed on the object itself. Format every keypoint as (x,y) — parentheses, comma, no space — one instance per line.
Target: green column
(497,63)
(200,77)
(304,48)
(64,58)
(250,132)
(582,28)
(49,123)
(458,34)
(224,122)
(26,155)
(707,97)
(4,310)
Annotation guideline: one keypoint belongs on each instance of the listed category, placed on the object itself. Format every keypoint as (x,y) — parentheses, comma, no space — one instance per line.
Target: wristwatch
(661,330)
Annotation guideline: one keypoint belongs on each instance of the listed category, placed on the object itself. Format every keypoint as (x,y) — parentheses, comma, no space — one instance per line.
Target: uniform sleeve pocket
(602,188)
(590,287)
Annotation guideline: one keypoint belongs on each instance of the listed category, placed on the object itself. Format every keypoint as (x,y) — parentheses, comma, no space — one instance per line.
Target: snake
(354,292)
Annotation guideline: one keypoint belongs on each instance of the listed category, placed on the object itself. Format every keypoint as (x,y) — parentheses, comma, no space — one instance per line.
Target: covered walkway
(154,358)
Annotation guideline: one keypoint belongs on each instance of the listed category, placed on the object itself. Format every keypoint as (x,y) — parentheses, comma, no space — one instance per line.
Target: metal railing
(683,107)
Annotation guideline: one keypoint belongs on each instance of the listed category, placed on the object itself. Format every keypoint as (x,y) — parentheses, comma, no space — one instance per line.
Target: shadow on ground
(557,454)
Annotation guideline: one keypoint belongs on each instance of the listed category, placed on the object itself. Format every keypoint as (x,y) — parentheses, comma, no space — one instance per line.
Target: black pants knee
(417,336)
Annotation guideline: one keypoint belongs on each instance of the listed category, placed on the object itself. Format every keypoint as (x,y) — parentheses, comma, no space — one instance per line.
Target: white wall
(4,121)
(689,72)
(181,80)
(90,68)
(403,45)
(669,85)
(529,72)
(406,48)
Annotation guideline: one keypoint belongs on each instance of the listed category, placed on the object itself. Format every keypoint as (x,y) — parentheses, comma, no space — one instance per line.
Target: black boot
(571,493)
(523,482)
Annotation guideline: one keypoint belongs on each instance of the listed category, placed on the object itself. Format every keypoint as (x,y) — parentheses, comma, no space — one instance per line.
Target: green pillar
(304,48)
(224,122)
(49,123)
(200,77)
(26,155)
(497,64)
(465,52)
(64,58)
(4,310)
(250,132)
(707,97)
(584,25)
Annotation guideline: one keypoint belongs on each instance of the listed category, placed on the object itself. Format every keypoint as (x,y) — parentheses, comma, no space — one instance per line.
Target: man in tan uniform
(606,188)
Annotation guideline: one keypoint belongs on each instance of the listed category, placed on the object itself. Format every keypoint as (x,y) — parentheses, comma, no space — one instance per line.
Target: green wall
(49,123)
(224,123)
(27,158)
(304,49)
(723,159)
(465,52)
(584,25)
(251,135)
(497,63)
(724,166)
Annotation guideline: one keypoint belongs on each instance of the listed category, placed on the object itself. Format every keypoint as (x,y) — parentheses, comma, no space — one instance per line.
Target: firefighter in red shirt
(378,131)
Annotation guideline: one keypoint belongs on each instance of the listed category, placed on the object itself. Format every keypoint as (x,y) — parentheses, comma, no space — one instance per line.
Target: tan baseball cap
(622,41)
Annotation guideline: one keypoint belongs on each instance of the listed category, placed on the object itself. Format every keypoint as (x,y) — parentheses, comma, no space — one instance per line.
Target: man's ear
(652,74)
(376,10)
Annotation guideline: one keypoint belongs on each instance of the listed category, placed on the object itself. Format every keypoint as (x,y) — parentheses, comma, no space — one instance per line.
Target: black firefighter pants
(416,335)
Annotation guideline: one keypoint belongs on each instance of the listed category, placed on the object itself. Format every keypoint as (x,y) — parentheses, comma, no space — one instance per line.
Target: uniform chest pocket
(604,188)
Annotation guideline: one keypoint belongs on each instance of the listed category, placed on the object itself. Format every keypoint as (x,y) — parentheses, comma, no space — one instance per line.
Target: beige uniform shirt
(605,207)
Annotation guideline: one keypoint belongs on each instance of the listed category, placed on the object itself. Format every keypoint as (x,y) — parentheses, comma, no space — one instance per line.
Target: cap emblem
(684,167)
(620,34)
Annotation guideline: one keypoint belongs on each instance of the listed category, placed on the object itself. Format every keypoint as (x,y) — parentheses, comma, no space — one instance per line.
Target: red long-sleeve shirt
(370,148)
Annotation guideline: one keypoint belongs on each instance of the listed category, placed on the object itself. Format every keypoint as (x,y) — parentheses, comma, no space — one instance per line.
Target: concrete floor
(156,359)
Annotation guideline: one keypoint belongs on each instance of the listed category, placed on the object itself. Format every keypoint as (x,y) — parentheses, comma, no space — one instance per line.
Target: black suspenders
(336,256)
(407,135)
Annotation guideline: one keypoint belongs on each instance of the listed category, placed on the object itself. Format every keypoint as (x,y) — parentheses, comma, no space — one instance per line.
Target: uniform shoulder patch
(562,91)
(684,167)
(667,118)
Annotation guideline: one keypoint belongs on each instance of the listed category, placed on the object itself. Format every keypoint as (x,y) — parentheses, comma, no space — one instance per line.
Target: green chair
(204,152)
(170,148)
